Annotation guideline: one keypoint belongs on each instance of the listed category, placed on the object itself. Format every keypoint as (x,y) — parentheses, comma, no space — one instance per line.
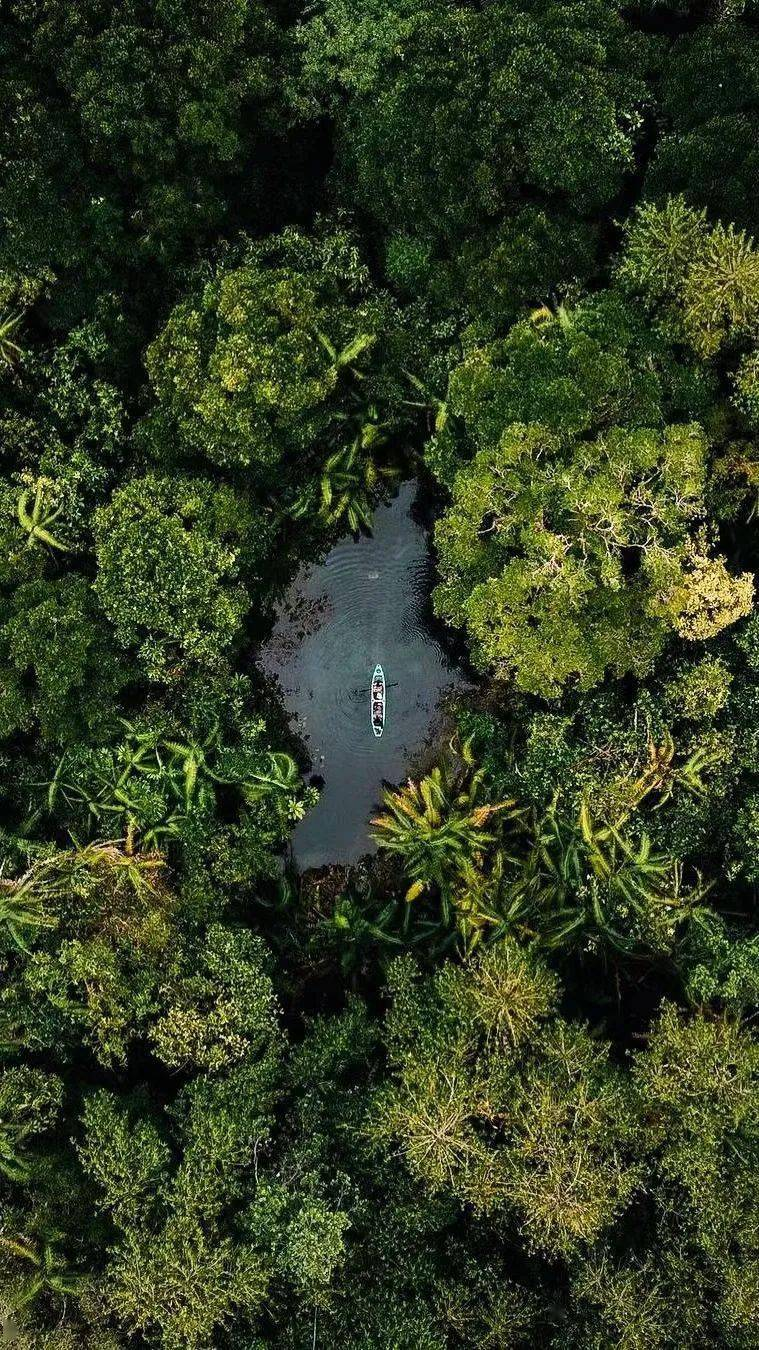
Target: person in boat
(377,690)
(377,709)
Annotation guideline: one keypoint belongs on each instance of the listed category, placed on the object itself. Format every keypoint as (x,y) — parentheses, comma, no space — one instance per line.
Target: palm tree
(587,876)
(181,774)
(343,359)
(487,908)
(367,928)
(438,825)
(50,1273)
(545,315)
(13,1164)
(436,408)
(35,515)
(21,907)
(27,902)
(9,348)
(350,481)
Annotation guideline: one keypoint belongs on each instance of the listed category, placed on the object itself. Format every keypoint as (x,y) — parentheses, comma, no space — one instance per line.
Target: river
(367,602)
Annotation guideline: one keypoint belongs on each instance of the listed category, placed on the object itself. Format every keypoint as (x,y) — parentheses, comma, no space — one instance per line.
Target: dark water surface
(368,602)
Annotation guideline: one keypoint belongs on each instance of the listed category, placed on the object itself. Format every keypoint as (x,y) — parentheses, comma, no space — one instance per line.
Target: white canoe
(377,703)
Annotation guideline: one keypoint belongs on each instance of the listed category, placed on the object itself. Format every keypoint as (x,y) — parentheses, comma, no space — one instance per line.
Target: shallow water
(368,602)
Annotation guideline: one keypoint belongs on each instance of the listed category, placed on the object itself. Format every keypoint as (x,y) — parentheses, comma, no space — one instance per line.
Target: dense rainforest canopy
(498,1086)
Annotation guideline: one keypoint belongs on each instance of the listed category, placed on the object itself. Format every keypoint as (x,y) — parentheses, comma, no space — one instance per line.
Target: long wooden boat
(377,700)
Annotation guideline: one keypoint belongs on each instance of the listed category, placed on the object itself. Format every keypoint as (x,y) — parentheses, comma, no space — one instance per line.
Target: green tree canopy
(502,1114)
(169,560)
(124,133)
(564,562)
(446,112)
(709,102)
(281,355)
(577,370)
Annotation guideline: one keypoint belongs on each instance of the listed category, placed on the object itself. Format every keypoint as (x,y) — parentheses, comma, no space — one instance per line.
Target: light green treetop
(275,358)
(565,561)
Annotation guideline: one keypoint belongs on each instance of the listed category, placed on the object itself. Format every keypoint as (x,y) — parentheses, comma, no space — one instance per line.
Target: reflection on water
(366,603)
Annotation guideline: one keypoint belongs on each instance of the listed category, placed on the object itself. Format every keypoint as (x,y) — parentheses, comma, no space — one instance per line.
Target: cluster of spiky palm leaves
(46,1269)
(347,488)
(10,351)
(560,877)
(21,908)
(594,878)
(29,1103)
(350,481)
(441,827)
(365,928)
(152,784)
(28,902)
(36,514)
(585,881)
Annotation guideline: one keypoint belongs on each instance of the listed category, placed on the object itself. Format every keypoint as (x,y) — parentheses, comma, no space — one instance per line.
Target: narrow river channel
(367,602)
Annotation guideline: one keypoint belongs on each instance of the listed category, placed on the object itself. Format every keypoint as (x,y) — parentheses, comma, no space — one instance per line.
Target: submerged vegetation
(497,1086)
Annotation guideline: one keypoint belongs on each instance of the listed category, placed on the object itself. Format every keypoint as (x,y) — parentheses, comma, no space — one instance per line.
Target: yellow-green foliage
(703,278)
(564,562)
(505,1110)
(271,359)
